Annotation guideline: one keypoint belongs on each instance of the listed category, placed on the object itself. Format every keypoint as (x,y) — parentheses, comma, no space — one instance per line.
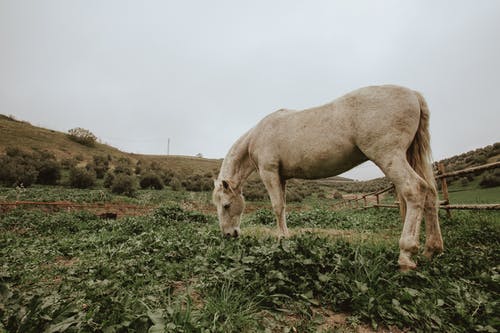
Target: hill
(479,156)
(23,135)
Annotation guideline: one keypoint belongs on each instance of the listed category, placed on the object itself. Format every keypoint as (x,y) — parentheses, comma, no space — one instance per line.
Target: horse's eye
(226,205)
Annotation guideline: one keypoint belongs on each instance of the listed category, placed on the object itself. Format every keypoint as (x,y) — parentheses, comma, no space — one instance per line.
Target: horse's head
(230,204)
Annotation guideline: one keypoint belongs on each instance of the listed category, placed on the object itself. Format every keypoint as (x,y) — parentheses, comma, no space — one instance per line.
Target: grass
(171,271)
(486,195)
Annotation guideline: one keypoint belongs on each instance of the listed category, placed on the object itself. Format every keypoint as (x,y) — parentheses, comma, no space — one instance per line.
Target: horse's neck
(237,164)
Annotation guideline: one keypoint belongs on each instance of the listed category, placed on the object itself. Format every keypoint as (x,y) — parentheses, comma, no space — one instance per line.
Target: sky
(136,73)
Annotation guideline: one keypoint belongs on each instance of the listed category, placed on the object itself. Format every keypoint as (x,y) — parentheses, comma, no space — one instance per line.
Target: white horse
(388,125)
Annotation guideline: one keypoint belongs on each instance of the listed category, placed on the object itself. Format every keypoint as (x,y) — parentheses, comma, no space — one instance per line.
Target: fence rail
(363,201)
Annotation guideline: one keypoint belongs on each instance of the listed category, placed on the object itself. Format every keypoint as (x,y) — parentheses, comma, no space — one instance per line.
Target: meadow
(170,271)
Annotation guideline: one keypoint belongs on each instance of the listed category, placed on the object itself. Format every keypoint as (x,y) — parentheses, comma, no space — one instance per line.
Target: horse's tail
(419,153)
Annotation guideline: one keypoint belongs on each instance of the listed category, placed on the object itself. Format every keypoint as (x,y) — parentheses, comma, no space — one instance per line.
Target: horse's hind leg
(275,186)
(433,238)
(412,189)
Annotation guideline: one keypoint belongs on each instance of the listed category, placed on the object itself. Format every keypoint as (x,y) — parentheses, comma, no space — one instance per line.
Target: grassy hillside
(23,135)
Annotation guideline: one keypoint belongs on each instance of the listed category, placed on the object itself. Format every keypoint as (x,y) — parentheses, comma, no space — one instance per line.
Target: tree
(82,136)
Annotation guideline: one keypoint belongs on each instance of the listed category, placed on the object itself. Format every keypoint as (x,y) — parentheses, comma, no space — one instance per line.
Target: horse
(388,125)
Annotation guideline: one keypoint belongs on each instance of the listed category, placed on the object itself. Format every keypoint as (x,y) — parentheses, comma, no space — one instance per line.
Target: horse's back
(332,138)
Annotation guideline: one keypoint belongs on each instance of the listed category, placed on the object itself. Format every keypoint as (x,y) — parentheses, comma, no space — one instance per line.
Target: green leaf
(248,259)
(323,277)
(156,317)
(157,328)
(63,325)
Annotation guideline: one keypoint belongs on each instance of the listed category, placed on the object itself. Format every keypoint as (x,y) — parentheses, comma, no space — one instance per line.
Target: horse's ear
(225,184)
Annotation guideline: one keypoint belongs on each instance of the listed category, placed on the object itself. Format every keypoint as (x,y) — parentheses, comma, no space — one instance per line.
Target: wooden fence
(364,201)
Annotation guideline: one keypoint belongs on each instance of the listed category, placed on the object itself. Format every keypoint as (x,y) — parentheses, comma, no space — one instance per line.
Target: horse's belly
(314,165)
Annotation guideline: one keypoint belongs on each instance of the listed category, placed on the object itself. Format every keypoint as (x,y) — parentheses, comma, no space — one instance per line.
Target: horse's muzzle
(235,234)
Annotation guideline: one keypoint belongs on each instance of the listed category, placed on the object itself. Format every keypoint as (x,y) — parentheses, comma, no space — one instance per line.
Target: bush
(123,166)
(49,172)
(109,177)
(337,195)
(100,166)
(255,194)
(82,136)
(124,184)
(151,181)
(81,178)
(490,180)
(18,167)
(198,183)
(293,195)
(175,184)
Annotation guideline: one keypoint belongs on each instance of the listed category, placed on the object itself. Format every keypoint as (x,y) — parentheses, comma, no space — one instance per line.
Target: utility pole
(168,146)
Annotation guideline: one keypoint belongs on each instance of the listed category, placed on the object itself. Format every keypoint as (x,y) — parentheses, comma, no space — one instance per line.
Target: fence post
(444,188)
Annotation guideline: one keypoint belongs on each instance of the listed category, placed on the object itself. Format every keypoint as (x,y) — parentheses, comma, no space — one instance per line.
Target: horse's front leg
(275,186)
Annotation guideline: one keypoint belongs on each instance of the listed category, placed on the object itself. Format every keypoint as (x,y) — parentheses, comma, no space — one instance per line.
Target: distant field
(487,195)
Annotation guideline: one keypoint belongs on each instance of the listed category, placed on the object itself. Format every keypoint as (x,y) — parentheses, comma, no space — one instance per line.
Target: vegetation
(82,136)
(81,177)
(124,184)
(152,181)
(490,179)
(473,158)
(24,136)
(26,168)
(171,271)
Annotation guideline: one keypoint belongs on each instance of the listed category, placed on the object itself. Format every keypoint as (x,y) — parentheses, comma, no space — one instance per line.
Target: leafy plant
(82,136)
(124,184)
(81,177)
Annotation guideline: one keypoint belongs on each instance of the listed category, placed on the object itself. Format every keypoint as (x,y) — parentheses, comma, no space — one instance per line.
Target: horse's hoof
(430,253)
(405,264)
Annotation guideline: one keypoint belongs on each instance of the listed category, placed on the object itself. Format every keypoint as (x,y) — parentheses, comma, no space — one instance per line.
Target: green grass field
(486,195)
(170,271)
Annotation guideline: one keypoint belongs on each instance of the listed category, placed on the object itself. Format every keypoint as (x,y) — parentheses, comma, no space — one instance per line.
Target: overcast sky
(201,73)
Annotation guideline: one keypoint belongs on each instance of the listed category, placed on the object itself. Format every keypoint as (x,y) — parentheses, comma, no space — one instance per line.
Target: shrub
(464,181)
(109,177)
(82,136)
(255,194)
(175,184)
(123,166)
(18,168)
(124,184)
(69,163)
(100,166)
(152,181)
(490,180)
(198,183)
(337,195)
(168,175)
(49,172)
(138,167)
(294,195)
(81,178)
